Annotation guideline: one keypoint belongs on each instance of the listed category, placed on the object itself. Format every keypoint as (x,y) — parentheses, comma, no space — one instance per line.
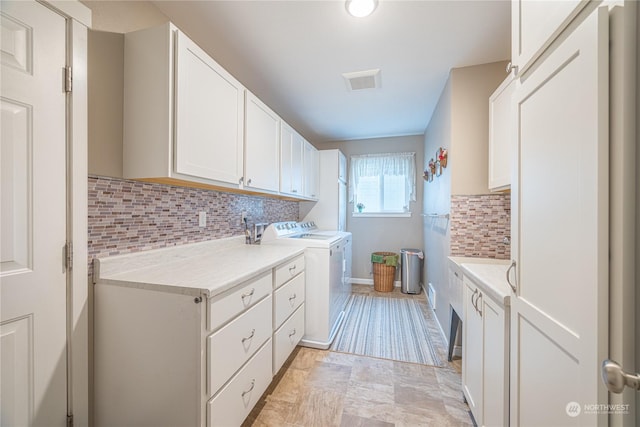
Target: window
(383,183)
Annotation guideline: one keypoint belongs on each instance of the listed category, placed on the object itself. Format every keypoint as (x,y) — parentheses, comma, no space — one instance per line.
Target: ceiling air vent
(360,80)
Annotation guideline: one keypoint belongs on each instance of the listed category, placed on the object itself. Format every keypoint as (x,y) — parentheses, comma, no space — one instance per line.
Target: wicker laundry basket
(384,270)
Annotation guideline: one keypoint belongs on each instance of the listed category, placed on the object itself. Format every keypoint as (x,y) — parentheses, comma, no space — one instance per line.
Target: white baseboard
(357,281)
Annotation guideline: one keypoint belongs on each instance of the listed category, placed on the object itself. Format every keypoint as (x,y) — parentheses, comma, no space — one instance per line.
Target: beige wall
(123,16)
(471,89)
(106,90)
(383,234)
(460,123)
(106,77)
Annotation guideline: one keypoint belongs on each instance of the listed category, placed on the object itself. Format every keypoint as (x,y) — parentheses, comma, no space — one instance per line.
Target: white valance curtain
(396,164)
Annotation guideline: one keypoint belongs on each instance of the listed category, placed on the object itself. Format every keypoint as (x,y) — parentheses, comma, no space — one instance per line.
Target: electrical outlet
(202,219)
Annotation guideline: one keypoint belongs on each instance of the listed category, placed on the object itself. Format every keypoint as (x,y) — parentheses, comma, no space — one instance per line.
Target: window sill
(381,214)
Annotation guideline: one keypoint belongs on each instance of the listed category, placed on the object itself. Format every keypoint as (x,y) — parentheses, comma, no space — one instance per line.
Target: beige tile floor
(324,388)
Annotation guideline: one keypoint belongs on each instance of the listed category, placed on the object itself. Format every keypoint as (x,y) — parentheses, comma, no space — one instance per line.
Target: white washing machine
(327,276)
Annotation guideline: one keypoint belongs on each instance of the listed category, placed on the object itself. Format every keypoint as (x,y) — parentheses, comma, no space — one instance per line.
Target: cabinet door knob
(253,384)
(253,332)
(512,266)
(243,296)
(473,302)
(511,67)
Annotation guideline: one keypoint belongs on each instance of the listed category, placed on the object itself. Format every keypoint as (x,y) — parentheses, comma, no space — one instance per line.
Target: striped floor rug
(388,328)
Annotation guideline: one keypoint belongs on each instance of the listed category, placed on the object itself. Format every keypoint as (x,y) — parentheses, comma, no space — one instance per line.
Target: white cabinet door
(501,135)
(291,158)
(495,368)
(262,142)
(472,353)
(559,324)
(535,24)
(311,171)
(209,110)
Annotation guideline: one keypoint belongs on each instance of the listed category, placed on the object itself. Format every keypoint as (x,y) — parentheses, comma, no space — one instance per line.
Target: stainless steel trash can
(411,270)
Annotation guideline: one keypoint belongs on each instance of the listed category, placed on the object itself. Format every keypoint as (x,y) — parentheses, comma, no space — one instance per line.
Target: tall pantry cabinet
(560,207)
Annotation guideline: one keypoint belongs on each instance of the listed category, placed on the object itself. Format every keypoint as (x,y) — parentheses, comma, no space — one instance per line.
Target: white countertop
(491,278)
(198,269)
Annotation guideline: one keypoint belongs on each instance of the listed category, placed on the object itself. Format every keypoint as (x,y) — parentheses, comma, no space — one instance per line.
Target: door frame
(78,18)
(623,225)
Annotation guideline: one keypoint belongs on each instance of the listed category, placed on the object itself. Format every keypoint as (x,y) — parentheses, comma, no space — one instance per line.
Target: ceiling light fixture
(361,8)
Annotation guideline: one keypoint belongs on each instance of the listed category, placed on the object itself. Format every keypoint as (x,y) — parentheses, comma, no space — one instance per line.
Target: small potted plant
(360,207)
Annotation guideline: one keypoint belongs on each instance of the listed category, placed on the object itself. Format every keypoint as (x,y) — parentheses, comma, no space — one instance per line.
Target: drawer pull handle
(292,297)
(292,268)
(292,333)
(253,332)
(253,384)
(249,294)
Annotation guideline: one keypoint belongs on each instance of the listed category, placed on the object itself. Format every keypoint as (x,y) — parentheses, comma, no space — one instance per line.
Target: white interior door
(33,209)
(559,315)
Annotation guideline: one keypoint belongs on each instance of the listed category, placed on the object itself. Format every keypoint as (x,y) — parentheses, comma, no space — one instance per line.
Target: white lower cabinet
(288,310)
(172,358)
(234,402)
(485,359)
(287,337)
(240,339)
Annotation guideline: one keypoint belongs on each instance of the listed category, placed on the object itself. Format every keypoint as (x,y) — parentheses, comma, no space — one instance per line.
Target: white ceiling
(292,54)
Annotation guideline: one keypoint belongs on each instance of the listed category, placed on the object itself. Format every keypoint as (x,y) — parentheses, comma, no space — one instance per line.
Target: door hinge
(69,420)
(68,79)
(68,255)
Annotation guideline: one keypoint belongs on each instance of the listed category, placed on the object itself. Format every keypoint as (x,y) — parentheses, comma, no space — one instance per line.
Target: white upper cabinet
(501,135)
(535,24)
(311,171)
(209,122)
(291,160)
(183,113)
(262,142)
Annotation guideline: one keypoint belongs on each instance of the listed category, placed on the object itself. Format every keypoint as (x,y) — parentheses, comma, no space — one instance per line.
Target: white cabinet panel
(311,171)
(230,347)
(232,405)
(225,307)
(287,337)
(501,135)
(262,146)
(209,116)
(535,24)
(562,215)
(287,271)
(485,362)
(472,354)
(183,113)
(287,299)
(291,160)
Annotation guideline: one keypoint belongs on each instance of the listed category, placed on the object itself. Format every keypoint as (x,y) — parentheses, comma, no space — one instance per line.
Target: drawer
(287,337)
(287,298)
(288,270)
(230,347)
(232,405)
(225,307)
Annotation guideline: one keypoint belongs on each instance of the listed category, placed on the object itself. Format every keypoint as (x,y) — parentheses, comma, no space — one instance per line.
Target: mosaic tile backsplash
(479,225)
(130,216)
